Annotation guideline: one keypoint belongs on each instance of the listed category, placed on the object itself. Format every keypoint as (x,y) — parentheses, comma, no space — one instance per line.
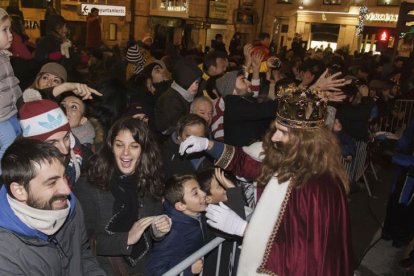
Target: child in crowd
(10,91)
(76,110)
(346,142)
(219,188)
(184,203)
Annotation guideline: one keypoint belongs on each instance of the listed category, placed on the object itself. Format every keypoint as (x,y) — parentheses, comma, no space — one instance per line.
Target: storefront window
(332,2)
(284,1)
(39,4)
(388,2)
(174,5)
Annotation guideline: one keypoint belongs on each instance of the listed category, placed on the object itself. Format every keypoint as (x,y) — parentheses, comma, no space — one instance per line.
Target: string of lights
(363,11)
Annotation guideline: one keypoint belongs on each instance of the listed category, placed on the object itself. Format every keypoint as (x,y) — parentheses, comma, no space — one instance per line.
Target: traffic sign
(107,10)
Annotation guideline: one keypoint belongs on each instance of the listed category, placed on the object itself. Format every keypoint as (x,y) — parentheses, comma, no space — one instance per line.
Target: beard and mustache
(48,205)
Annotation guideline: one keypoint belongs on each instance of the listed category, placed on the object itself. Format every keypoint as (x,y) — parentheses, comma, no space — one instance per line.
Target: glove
(224,219)
(193,144)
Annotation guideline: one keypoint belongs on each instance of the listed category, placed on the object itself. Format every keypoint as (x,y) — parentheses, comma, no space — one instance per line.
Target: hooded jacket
(26,251)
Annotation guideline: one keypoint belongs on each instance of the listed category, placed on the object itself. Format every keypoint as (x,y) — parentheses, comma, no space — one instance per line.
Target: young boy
(184,203)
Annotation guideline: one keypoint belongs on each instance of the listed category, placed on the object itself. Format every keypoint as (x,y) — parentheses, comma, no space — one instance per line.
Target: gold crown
(300,108)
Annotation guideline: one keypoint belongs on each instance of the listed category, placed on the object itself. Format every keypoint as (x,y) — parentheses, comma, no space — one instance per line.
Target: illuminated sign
(384,36)
(382,17)
(103,9)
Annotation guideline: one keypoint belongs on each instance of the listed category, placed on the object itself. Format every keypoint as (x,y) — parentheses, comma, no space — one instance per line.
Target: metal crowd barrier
(399,118)
(179,268)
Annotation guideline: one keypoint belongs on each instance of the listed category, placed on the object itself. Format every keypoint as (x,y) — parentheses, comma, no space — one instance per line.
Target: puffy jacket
(9,88)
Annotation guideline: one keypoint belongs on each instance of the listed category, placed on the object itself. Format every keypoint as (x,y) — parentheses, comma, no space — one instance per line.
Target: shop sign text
(382,17)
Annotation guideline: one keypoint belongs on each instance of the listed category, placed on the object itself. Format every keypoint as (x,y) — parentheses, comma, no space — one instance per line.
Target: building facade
(196,22)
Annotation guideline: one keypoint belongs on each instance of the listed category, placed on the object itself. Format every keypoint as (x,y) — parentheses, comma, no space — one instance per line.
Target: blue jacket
(186,236)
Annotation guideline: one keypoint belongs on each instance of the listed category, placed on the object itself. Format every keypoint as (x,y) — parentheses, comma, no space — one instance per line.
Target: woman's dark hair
(149,167)
(204,178)
(54,22)
(190,120)
(17,26)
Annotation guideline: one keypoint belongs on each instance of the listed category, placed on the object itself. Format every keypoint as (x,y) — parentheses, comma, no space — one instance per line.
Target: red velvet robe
(314,237)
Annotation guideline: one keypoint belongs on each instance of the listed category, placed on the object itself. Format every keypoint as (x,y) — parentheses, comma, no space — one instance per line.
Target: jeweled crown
(300,108)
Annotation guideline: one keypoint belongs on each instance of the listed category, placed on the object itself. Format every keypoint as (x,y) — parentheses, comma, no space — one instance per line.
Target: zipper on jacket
(55,242)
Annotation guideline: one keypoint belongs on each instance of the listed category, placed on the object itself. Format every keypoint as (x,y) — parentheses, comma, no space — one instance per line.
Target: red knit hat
(42,118)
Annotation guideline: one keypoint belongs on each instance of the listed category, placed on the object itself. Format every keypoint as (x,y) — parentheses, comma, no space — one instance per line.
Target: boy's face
(196,130)
(194,198)
(218,193)
(6,36)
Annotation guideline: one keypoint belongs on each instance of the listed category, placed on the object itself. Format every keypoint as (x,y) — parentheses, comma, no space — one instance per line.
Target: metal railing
(217,242)
(399,118)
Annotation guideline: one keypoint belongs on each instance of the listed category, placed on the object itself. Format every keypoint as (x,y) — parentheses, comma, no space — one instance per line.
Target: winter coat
(169,108)
(25,251)
(186,236)
(9,88)
(246,120)
(98,207)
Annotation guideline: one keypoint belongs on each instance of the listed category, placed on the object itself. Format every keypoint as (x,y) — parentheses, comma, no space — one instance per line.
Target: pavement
(374,255)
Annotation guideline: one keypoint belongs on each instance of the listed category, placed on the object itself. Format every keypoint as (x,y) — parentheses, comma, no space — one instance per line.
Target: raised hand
(257,59)
(247,52)
(329,83)
(224,181)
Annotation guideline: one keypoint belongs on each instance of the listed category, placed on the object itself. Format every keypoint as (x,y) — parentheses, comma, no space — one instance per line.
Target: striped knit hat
(135,57)
(42,118)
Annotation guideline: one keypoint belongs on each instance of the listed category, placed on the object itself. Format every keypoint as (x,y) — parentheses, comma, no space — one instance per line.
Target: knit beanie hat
(42,118)
(147,72)
(54,69)
(3,13)
(185,72)
(227,83)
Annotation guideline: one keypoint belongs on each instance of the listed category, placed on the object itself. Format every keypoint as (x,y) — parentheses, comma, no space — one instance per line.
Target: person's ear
(83,120)
(209,199)
(179,206)
(18,191)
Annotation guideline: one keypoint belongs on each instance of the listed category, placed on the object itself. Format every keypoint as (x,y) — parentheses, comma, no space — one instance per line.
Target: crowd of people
(125,161)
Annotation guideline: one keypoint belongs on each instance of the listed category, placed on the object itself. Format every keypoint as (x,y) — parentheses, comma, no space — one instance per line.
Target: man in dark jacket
(175,102)
(41,222)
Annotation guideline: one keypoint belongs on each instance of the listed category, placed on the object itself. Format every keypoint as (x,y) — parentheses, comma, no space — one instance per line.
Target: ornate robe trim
(226,156)
(268,213)
(262,267)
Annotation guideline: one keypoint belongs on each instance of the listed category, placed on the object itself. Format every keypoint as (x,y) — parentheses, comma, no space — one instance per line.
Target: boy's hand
(197,267)
(136,231)
(161,225)
(224,181)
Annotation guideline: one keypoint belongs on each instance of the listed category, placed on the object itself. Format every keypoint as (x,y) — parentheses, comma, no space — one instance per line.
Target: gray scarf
(45,221)
(184,93)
